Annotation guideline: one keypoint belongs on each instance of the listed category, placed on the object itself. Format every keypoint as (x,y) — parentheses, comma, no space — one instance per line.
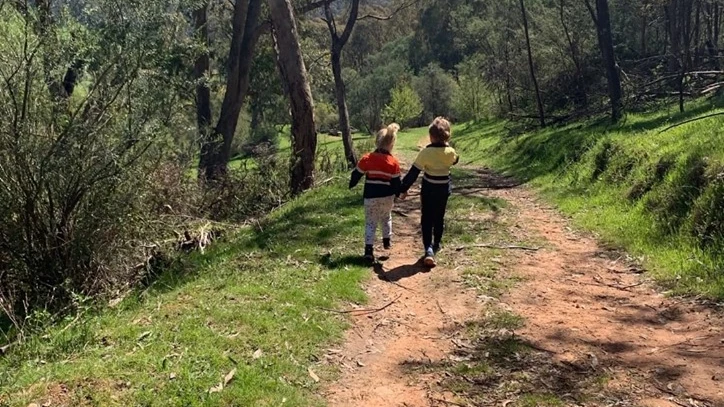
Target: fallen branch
(326,181)
(452,403)
(5,349)
(499,247)
(691,121)
(363,311)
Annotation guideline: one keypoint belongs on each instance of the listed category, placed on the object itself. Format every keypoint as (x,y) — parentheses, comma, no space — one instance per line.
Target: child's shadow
(399,273)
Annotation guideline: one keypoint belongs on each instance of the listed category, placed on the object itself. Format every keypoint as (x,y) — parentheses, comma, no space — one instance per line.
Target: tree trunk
(294,76)
(508,82)
(338,43)
(201,69)
(541,112)
(574,56)
(216,146)
(644,25)
(602,18)
(697,35)
(341,95)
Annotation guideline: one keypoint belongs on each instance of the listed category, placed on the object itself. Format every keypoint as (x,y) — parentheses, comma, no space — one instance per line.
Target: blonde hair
(386,138)
(440,130)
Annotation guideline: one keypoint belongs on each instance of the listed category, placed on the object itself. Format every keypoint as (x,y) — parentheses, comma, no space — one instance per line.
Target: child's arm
(413,174)
(355,179)
(358,173)
(396,180)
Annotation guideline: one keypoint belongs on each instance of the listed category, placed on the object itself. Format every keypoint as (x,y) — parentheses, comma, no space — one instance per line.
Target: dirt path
(425,305)
(583,306)
(586,303)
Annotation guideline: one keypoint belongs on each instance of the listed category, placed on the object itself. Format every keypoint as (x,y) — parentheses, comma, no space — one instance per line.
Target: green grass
(656,194)
(262,292)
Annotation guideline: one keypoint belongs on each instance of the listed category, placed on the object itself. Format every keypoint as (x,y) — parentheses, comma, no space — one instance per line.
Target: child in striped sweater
(382,185)
(435,162)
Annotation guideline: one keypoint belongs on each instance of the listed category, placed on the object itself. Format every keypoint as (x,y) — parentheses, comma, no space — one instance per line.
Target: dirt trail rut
(581,304)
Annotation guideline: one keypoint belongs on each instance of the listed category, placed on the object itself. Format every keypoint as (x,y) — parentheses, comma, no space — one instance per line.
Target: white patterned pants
(378,211)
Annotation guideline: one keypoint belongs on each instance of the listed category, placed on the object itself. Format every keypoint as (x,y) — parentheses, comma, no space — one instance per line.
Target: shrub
(672,202)
(75,169)
(404,107)
(326,116)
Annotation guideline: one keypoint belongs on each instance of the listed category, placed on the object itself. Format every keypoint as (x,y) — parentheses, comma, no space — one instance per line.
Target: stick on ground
(363,311)
(500,247)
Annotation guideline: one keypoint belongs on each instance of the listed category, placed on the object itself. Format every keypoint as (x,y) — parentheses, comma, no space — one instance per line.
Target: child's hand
(403,196)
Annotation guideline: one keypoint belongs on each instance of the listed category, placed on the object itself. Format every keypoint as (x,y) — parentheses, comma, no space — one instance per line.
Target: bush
(326,116)
(404,107)
(75,169)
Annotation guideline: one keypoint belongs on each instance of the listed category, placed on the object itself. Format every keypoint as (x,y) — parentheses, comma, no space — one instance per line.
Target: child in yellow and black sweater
(435,161)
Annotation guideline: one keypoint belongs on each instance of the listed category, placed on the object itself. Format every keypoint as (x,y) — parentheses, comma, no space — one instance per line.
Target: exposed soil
(588,312)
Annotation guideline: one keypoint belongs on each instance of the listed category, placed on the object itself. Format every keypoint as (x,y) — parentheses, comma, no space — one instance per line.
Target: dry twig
(499,247)
(363,311)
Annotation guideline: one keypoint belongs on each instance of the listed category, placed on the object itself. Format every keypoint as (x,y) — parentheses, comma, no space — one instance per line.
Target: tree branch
(313,6)
(331,24)
(404,6)
(353,14)
(592,11)
(691,121)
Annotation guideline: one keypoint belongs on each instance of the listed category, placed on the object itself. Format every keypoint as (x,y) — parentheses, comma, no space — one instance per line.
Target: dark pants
(434,203)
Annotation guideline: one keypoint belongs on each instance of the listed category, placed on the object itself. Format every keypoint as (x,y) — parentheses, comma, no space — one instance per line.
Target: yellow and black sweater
(435,162)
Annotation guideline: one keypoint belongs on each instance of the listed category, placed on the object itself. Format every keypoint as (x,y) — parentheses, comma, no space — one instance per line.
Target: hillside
(641,185)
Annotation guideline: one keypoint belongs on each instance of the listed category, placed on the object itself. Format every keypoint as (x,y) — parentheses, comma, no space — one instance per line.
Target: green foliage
(473,100)
(326,116)
(75,173)
(437,90)
(369,90)
(404,107)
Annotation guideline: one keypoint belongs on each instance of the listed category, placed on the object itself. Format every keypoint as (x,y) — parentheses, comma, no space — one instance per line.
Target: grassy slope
(170,345)
(262,292)
(659,195)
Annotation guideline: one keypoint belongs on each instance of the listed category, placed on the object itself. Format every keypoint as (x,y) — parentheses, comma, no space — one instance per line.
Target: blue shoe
(429,259)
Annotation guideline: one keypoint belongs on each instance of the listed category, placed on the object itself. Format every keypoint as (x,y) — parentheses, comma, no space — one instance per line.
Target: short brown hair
(440,130)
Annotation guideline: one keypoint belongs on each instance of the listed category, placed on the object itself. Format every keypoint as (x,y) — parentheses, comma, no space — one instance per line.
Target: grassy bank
(657,192)
(252,306)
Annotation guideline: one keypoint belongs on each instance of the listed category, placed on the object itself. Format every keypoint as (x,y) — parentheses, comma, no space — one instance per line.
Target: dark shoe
(387,244)
(429,259)
(369,254)
(436,248)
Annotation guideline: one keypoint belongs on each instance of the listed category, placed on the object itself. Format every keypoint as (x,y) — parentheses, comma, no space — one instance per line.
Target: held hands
(403,196)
